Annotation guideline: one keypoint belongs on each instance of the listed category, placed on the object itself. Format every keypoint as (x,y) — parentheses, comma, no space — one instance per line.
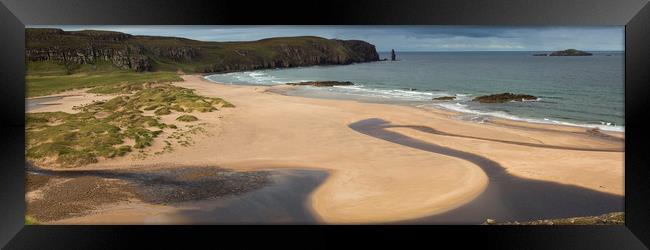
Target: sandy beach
(384,163)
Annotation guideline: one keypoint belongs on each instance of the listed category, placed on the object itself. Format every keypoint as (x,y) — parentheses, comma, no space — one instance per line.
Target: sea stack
(392,55)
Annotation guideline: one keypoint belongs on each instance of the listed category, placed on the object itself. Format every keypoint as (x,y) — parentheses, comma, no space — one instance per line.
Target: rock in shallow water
(444,98)
(321,83)
(504,97)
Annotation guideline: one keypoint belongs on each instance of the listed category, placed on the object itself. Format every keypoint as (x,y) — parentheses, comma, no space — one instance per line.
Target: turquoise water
(584,91)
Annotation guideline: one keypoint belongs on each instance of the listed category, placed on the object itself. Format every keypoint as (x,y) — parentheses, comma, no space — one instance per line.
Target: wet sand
(286,201)
(507,197)
(36,103)
(282,197)
(65,102)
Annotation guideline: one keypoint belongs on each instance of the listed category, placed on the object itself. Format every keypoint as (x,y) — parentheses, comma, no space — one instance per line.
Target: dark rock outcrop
(570,52)
(321,83)
(504,97)
(444,98)
(146,53)
(392,55)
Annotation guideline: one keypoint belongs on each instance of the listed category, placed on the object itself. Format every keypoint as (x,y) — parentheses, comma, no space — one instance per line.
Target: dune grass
(30,220)
(104,129)
(163,111)
(187,118)
(101,129)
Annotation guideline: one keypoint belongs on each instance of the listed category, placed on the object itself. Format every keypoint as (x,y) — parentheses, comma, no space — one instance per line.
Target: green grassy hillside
(45,78)
(60,60)
(149,53)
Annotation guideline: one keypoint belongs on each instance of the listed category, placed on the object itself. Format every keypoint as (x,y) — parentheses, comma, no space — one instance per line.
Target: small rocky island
(568,52)
(504,97)
(321,83)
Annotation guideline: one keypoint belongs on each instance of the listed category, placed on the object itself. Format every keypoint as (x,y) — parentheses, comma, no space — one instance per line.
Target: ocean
(580,91)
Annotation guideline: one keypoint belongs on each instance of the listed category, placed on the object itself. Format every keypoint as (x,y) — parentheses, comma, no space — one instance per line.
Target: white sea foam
(463,108)
(249,77)
(463,97)
(258,77)
(398,94)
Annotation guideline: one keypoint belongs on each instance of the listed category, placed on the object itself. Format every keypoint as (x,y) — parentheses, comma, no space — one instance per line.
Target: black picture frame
(634,14)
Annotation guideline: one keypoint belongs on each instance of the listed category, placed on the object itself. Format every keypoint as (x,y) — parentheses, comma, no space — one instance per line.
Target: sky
(407,38)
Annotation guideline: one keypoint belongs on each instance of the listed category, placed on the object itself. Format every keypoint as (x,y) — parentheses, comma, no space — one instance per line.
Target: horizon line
(411,51)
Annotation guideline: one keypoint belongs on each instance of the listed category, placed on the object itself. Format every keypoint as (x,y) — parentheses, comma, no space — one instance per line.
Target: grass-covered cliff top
(172,53)
(60,60)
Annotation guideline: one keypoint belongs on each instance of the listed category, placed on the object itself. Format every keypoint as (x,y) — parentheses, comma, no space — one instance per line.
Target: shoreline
(423,104)
(282,89)
(369,181)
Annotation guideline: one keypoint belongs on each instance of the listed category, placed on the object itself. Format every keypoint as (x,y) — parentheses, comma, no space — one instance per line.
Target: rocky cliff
(147,53)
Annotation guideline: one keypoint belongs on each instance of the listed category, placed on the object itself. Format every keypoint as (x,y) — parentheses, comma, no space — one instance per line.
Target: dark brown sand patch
(76,197)
(81,192)
(35,181)
(189,184)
